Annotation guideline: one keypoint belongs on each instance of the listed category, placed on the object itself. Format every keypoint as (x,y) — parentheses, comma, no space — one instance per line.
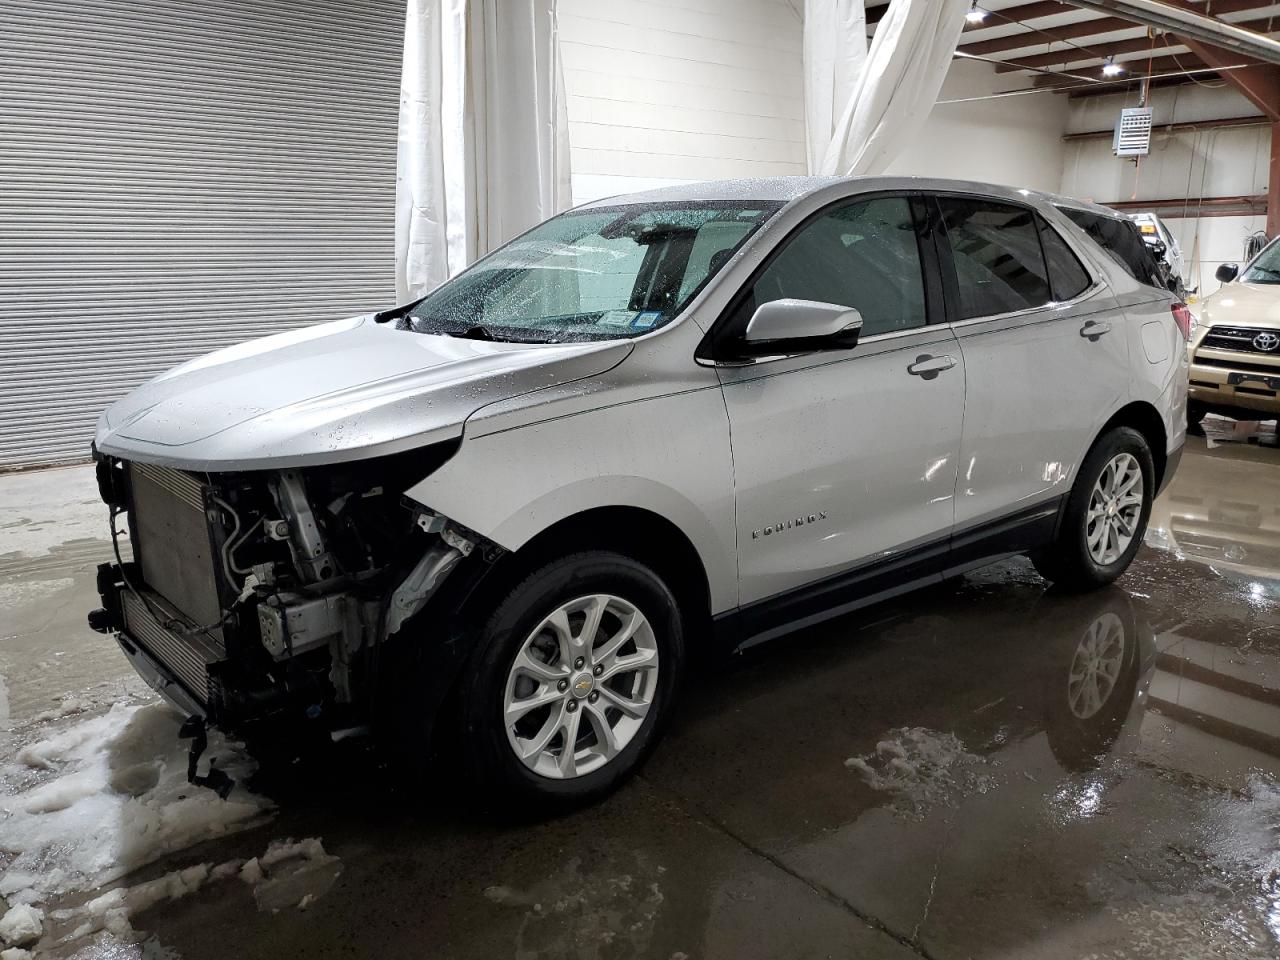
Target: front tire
(1105,516)
(573,680)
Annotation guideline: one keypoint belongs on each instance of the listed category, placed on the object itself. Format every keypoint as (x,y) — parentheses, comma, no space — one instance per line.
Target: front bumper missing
(176,660)
(159,678)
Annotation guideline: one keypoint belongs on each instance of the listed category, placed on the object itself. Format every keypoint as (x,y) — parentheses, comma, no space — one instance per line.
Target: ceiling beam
(1115,47)
(1170,64)
(1098,51)
(1031,38)
(1186,21)
(1024,11)
(1260,83)
(1126,83)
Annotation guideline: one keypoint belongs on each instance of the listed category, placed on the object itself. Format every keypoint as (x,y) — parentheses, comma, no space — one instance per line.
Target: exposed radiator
(190,657)
(172,542)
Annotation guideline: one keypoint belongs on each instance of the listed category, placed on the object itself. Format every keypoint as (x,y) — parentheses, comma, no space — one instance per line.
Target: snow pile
(289,874)
(923,767)
(21,926)
(106,795)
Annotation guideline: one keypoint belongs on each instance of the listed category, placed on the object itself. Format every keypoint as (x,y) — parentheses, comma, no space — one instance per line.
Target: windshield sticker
(647,320)
(616,318)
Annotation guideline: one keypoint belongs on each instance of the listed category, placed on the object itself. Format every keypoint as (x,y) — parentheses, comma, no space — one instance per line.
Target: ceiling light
(1111,68)
(975,14)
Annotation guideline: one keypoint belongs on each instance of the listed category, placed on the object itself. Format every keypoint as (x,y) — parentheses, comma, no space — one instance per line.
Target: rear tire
(1105,516)
(543,677)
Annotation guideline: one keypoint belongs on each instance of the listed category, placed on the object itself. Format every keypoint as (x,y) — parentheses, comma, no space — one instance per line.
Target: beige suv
(1235,350)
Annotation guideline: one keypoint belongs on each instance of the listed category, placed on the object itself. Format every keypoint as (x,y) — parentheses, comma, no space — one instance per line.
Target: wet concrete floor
(983,769)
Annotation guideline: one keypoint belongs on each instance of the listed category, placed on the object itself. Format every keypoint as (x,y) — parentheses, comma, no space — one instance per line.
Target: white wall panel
(1015,141)
(1184,165)
(667,92)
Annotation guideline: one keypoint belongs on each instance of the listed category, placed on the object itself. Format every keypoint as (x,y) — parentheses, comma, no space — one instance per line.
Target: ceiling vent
(1133,132)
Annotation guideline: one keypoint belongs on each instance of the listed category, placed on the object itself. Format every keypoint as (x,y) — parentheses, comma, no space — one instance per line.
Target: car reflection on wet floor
(985,769)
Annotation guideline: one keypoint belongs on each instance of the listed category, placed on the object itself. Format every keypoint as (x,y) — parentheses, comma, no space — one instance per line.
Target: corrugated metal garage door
(178,175)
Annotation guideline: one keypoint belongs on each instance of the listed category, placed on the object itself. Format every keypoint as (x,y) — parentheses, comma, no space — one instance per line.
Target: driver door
(845,461)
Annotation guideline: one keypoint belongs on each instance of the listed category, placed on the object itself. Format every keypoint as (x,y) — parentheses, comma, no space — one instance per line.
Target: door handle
(1094,329)
(928,366)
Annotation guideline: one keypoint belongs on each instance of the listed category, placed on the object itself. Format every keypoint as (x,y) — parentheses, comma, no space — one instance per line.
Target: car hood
(330,393)
(1243,304)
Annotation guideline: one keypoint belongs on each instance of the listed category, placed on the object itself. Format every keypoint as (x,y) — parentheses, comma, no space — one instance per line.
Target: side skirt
(887,577)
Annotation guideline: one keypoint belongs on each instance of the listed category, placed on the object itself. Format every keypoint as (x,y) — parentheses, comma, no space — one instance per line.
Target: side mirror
(799,326)
(1159,249)
(1227,272)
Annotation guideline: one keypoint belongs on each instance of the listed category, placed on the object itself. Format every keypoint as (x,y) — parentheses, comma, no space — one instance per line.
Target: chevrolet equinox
(716,412)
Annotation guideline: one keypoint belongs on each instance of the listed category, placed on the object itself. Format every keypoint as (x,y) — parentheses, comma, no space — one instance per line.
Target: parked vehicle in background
(710,413)
(1164,246)
(1235,353)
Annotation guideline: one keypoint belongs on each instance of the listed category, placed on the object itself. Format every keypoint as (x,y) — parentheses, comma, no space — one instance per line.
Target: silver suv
(707,414)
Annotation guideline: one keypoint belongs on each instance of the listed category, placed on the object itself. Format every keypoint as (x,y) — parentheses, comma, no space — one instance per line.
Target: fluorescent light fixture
(1111,68)
(976,14)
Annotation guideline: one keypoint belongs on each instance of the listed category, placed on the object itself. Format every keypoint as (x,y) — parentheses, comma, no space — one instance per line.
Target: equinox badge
(788,525)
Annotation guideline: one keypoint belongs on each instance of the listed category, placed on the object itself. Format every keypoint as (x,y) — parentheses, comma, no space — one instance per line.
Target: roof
(787,189)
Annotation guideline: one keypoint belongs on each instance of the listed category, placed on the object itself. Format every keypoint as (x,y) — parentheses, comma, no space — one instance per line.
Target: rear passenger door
(1045,354)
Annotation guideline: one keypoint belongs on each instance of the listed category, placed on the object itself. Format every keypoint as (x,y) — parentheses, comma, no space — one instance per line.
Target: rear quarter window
(1120,238)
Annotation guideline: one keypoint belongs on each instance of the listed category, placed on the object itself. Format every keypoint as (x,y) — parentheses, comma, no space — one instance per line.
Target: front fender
(669,455)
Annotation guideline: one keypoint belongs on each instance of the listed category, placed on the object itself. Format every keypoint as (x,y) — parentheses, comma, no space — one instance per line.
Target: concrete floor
(911,781)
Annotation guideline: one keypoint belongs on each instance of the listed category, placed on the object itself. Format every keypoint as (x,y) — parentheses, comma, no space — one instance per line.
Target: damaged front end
(271,595)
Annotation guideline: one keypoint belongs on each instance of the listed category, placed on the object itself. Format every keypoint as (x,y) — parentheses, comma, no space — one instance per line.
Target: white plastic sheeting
(483,149)
(899,83)
(835,50)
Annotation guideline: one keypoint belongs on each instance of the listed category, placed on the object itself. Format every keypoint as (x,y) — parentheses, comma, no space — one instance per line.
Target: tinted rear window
(1067,275)
(996,251)
(1119,238)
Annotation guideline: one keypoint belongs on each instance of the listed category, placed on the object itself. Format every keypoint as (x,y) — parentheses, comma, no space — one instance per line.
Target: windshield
(1266,268)
(598,274)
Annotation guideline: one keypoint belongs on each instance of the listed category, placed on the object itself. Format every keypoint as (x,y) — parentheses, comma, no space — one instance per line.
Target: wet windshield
(1266,269)
(598,274)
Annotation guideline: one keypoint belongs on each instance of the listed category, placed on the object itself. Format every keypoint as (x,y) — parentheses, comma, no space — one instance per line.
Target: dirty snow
(21,925)
(104,795)
(288,874)
(602,916)
(923,768)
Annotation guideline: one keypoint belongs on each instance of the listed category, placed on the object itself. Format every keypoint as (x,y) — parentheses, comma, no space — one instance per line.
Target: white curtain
(835,49)
(483,150)
(898,85)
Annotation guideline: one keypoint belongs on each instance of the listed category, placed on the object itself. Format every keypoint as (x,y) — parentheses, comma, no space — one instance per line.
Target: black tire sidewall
(491,760)
(1073,540)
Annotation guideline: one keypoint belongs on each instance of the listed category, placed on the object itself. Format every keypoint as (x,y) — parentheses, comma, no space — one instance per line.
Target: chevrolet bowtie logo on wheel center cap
(582,685)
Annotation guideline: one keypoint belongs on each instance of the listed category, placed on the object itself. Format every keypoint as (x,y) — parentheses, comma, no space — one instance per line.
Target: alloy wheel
(580,686)
(1115,509)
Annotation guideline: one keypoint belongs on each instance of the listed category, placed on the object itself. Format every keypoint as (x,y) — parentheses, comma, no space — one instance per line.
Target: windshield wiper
(473,333)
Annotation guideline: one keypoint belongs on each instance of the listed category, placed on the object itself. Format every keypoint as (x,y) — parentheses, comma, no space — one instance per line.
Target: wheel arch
(1145,418)
(636,532)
